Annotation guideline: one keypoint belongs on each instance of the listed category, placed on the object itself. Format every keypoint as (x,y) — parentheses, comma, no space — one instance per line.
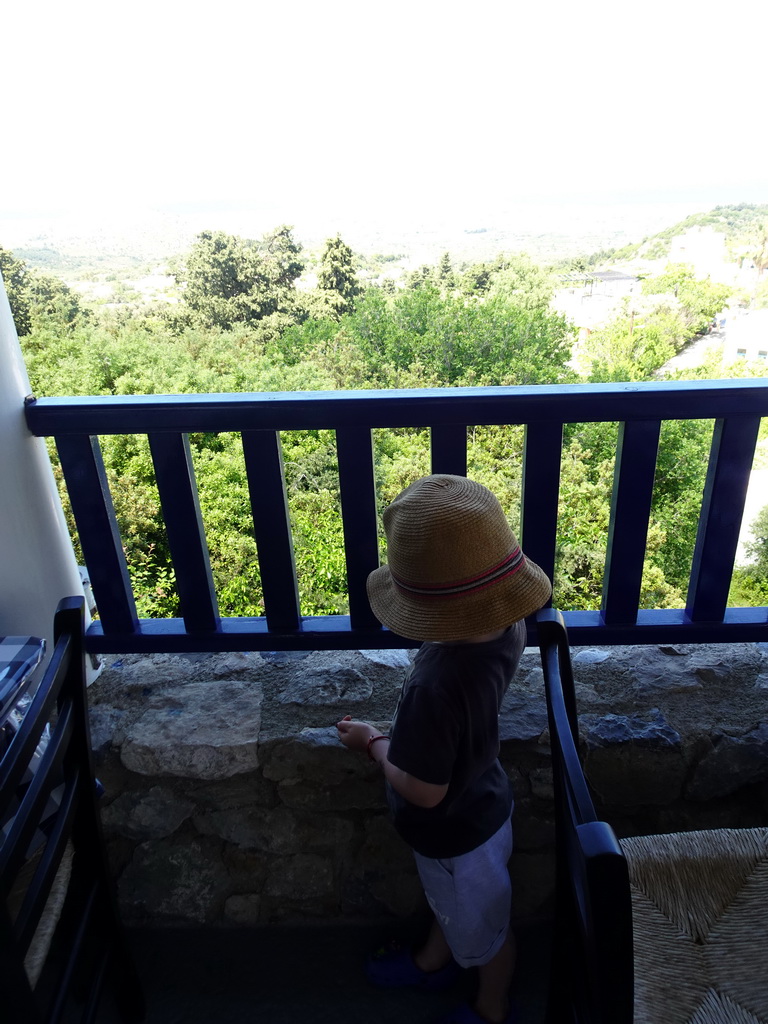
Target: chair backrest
(54,970)
(592,966)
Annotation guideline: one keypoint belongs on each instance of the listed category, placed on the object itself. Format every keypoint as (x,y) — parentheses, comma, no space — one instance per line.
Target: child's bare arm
(357,735)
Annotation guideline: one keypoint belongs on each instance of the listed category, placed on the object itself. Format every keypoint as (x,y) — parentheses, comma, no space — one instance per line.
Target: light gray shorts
(471,897)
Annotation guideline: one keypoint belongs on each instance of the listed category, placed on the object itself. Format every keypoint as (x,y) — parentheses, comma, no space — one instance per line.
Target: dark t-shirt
(446,730)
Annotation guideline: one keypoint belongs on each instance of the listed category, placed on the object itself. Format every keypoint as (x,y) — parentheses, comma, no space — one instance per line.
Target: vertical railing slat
(730,463)
(271,524)
(448,444)
(636,453)
(175,474)
(358,509)
(542,456)
(94,513)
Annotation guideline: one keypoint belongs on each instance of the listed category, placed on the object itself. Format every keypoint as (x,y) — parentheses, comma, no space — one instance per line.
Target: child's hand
(355,735)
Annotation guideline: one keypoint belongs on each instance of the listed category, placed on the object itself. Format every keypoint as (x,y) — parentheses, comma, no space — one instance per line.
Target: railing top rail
(78,422)
(568,403)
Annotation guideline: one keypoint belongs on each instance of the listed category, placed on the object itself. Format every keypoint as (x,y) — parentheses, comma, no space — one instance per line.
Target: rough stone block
(532,833)
(631,762)
(311,755)
(532,677)
(181,879)
(653,671)
(243,909)
(542,784)
(107,726)
(523,718)
(382,847)
(735,761)
(400,892)
(612,730)
(199,730)
(330,684)
(709,669)
(591,656)
(362,794)
(396,659)
(278,832)
(129,680)
(247,869)
(383,875)
(146,815)
(306,876)
(245,790)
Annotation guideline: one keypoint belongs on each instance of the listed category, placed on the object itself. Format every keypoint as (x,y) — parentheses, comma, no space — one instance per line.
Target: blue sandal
(393,966)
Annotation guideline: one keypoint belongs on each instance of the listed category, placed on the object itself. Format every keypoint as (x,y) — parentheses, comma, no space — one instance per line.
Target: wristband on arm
(371,741)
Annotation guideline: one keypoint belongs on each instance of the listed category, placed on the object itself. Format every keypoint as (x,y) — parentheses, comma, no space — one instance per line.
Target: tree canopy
(243,324)
(227,280)
(337,279)
(36,298)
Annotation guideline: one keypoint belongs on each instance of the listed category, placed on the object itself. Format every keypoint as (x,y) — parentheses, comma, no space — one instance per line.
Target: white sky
(409,103)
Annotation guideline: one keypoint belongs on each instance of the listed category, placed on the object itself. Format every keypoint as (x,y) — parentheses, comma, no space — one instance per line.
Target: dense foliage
(241,324)
(38,299)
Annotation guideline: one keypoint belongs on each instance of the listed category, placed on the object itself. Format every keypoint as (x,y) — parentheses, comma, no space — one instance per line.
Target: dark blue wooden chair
(592,959)
(58,954)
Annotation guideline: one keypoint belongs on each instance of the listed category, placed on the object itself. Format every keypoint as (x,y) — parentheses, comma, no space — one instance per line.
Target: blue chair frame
(592,978)
(88,947)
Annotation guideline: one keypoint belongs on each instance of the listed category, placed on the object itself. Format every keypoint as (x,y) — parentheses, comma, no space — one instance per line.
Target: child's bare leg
(494,979)
(435,953)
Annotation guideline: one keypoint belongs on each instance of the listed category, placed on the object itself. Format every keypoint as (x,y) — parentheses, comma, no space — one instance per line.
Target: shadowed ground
(291,974)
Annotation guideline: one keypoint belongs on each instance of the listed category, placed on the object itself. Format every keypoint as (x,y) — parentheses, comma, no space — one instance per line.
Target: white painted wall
(37,561)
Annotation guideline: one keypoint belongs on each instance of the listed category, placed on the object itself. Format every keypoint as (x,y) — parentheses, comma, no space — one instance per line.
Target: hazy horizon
(358,112)
(546,230)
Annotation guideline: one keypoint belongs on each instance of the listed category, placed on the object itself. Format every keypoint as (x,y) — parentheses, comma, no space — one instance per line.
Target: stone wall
(229,799)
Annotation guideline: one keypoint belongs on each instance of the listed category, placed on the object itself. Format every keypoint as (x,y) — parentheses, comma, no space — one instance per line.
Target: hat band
(508,567)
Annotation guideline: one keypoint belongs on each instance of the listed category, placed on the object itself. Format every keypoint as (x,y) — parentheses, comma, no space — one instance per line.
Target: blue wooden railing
(76,423)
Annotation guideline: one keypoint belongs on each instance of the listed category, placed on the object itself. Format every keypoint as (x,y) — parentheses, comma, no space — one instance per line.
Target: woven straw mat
(41,941)
(700,918)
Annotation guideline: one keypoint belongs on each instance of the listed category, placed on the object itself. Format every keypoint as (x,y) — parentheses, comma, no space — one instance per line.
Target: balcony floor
(290,974)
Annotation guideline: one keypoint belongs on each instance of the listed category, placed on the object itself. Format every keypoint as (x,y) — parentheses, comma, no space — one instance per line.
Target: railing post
(542,456)
(636,454)
(358,509)
(37,562)
(725,491)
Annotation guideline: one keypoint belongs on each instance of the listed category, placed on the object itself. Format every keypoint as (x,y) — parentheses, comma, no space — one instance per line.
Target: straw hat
(455,567)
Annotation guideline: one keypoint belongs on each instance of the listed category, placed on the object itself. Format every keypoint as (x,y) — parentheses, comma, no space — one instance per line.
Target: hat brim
(458,617)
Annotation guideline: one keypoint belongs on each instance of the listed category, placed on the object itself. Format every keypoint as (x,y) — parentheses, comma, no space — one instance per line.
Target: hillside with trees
(266,315)
(745,227)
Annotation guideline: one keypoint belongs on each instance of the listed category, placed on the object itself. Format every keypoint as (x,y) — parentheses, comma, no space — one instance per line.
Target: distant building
(609,283)
(704,249)
(746,336)
(590,299)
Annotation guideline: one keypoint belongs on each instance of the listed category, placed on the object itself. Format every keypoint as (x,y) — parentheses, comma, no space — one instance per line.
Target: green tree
(633,346)
(336,278)
(38,299)
(14,274)
(445,274)
(457,340)
(282,256)
(513,276)
(228,280)
(749,586)
(700,300)
(522,282)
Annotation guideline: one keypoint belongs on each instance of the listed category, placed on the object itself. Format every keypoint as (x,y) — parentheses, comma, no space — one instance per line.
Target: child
(457,579)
